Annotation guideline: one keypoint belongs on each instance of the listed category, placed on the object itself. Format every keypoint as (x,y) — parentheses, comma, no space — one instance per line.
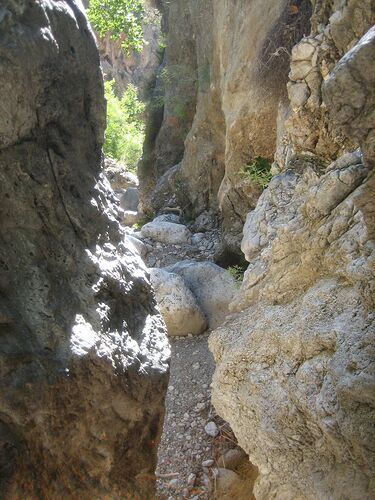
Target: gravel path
(185,445)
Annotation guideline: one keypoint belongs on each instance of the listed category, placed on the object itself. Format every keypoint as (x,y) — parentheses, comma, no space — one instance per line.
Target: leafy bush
(121,18)
(237,273)
(124,135)
(258,171)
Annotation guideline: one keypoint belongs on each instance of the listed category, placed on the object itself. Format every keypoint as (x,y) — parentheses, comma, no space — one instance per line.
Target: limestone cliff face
(83,352)
(227,66)
(294,372)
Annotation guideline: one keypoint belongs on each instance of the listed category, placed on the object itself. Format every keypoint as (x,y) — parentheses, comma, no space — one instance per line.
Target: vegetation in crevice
(237,270)
(125,131)
(258,171)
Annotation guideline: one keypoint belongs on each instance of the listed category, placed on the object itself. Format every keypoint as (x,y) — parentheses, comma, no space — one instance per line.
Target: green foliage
(237,273)
(124,135)
(147,217)
(121,18)
(258,171)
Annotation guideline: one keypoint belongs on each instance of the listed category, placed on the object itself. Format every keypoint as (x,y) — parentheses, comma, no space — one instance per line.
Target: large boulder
(83,353)
(119,177)
(294,374)
(177,304)
(166,232)
(129,199)
(213,287)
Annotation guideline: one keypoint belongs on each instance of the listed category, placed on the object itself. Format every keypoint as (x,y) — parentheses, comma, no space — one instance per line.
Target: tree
(124,135)
(120,18)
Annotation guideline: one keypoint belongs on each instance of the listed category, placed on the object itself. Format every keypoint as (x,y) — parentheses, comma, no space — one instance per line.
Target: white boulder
(213,287)
(177,304)
(166,232)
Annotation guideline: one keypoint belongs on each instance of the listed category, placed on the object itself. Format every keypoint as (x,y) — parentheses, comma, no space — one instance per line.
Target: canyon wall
(226,70)
(294,374)
(83,351)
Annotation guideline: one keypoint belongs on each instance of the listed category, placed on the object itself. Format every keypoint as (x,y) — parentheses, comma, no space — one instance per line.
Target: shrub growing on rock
(258,171)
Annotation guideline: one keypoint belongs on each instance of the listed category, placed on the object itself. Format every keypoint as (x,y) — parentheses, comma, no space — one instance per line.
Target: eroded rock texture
(83,352)
(295,376)
(226,69)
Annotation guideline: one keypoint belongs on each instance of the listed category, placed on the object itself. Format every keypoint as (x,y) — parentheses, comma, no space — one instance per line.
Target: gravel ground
(185,445)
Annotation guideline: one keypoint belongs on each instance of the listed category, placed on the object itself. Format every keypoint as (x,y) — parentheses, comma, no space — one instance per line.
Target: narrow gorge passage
(198,456)
(187,249)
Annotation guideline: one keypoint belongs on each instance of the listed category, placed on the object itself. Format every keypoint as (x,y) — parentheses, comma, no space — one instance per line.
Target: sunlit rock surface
(294,374)
(83,352)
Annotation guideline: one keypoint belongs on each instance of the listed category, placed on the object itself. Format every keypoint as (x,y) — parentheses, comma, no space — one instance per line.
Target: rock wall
(223,114)
(294,374)
(83,352)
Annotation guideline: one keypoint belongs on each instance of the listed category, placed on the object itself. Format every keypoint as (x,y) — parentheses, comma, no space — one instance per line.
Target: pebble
(195,366)
(191,479)
(211,429)
(173,483)
(208,463)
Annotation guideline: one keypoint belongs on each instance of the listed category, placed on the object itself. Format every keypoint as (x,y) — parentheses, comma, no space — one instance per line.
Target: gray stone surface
(178,306)
(213,287)
(293,374)
(119,177)
(349,94)
(130,199)
(138,244)
(166,232)
(294,371)
(83,352)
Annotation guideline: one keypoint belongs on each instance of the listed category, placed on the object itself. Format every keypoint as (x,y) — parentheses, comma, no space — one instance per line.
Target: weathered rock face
(294,373)
(223,114)
(336,27)
(83,352)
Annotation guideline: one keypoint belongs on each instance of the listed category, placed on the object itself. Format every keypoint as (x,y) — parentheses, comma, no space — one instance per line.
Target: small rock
(208,463)
(211,429)
(173,483)
(130,217)
(191,480)
(232,458)
(225,481)
(166,232)
(138,245)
